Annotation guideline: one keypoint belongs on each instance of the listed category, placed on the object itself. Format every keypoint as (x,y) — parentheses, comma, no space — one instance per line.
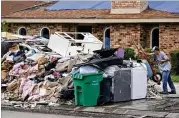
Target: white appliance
(138,82)
(66,43)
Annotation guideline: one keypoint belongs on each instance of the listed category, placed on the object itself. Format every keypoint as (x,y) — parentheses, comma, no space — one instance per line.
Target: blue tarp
(69,5)
(169,6)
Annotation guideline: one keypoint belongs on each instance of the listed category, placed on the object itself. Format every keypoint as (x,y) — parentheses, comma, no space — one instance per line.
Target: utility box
(67,44)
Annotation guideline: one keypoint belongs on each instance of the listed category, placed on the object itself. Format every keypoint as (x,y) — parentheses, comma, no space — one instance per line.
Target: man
(165,67)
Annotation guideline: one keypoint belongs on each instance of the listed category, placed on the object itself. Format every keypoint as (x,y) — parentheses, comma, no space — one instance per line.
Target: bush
(4,26)
(137,57)
(129,53)
(149,50)
(175,78)
(175,61)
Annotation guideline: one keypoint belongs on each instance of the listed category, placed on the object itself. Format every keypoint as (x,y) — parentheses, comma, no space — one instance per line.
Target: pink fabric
(18,70)
(56,74)
(26,87)
(23,81)
(34,68)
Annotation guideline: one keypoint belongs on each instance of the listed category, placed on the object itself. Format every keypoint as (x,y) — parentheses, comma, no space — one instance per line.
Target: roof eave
(154,20)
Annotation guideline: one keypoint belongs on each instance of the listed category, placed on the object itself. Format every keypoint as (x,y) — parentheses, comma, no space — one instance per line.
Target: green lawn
(175,78)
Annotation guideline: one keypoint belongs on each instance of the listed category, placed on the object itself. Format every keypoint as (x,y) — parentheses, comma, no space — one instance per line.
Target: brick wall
(124,35)
(68,27)
(169,37)
(98,30)
(34,29)
(120,34)
(145,34)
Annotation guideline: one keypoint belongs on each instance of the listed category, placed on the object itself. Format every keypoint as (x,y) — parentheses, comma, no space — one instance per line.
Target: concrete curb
(66,112)
(89,111)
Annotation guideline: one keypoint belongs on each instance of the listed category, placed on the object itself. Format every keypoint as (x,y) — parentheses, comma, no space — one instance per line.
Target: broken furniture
(66,43)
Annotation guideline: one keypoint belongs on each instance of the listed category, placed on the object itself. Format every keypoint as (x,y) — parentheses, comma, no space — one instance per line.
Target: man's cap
(155,48)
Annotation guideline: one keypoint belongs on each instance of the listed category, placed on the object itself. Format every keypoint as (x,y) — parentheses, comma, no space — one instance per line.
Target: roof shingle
(8,7)
(39,12)
(88,14)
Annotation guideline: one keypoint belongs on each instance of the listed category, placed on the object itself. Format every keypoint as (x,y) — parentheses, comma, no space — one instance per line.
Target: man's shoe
(166,93)
(172,92)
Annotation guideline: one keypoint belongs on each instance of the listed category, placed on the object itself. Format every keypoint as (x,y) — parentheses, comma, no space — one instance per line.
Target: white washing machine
(138,82)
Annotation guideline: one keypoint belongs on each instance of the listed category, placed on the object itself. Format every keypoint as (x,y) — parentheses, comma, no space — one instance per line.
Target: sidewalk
(168,107)
(159,88)
(152,108)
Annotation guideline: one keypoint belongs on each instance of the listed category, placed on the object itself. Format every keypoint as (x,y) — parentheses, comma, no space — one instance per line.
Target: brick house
(124,22)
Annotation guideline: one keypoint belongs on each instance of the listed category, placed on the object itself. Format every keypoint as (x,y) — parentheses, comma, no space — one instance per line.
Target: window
(106,40)
(22,31)
(154,37)
(83,28)
(45,33)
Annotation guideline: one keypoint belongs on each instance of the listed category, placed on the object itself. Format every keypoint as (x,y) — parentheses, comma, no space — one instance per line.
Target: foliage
(137,57)
(4,26)
(129,53)
(149,50)
(175,61)
(175,78)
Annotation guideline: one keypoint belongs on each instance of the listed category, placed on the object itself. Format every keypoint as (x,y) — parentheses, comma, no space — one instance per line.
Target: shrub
(149,50)
(175,61)
(129,53)
(137,57)
(4,26)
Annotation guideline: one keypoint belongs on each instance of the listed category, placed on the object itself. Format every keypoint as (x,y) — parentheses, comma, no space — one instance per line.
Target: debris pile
(30,71)
(152,91)
(33,72)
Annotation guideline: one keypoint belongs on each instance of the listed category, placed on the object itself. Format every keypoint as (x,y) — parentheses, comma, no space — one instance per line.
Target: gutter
(157,20)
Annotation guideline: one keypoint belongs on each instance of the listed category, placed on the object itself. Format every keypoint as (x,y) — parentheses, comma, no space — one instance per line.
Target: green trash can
(87,88)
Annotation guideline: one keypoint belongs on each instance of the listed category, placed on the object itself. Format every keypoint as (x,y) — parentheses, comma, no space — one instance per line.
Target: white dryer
(138,82)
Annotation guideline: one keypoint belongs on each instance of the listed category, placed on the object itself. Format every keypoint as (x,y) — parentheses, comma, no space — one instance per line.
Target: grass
(175,78)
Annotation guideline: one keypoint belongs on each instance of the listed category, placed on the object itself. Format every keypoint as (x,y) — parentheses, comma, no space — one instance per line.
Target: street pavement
(15,114)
